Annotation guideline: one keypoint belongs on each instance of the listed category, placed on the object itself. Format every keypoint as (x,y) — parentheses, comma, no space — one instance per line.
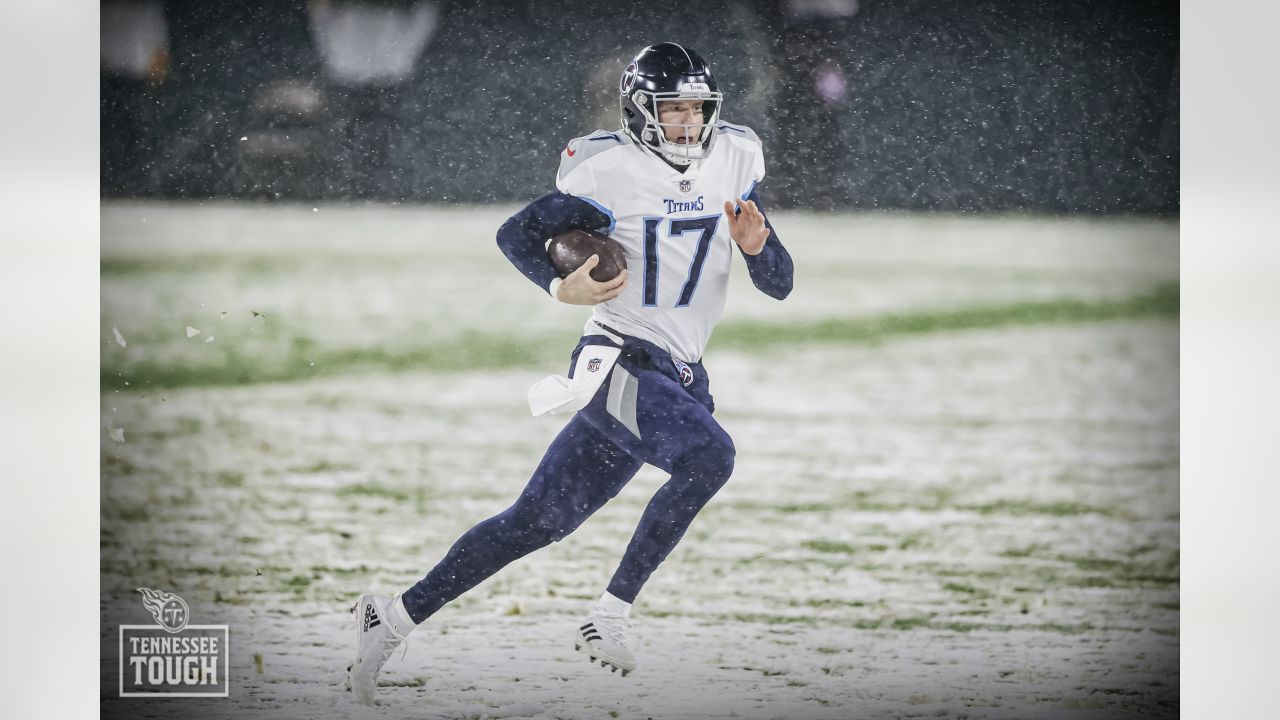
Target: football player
(675,185)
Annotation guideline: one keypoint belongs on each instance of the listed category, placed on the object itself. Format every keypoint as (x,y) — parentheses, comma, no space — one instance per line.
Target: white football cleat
(376,639)
(603,638)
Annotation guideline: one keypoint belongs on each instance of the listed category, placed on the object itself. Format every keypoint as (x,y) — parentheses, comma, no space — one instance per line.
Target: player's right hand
(579,289)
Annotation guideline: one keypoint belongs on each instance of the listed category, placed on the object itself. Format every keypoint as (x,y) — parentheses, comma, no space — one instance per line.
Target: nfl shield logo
(593,364)
(686,186)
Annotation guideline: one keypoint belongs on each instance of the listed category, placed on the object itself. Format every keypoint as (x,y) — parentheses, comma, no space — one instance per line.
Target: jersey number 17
(706,228)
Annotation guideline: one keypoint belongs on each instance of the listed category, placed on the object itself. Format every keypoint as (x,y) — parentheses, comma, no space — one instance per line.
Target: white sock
(611,604)
(399,618)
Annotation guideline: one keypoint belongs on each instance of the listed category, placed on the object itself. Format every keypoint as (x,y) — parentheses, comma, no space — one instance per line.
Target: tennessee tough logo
(173,658)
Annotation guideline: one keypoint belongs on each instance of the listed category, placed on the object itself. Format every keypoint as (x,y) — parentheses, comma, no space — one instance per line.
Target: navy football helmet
(669,72)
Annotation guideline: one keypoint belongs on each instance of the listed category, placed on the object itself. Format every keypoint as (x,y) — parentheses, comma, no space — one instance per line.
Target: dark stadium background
(958,106)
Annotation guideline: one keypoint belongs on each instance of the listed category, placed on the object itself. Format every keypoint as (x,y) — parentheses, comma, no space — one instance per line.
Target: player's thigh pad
(645,408)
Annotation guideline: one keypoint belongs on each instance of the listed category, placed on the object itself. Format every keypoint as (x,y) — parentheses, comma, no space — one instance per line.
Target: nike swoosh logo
(569,151)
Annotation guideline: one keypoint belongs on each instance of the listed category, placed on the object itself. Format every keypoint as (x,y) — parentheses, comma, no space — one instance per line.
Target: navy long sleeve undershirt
(523,239)
(772,271)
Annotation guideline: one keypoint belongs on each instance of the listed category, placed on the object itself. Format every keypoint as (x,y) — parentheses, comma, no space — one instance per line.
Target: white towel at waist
(556,393)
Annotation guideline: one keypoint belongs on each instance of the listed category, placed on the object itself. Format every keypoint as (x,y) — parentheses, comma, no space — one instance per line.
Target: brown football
(570,249)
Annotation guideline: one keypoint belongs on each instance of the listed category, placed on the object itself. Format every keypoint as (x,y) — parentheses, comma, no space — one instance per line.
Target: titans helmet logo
(628,79)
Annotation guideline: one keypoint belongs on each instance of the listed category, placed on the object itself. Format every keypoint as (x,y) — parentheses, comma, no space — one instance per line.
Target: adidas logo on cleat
(371,619)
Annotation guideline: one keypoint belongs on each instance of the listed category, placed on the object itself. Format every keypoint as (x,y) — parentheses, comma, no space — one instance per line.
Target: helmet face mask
(654,134)
(666,73)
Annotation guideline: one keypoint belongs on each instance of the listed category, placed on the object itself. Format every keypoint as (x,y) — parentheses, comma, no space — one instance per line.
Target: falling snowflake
(119,338)
(116,434)
(192,332)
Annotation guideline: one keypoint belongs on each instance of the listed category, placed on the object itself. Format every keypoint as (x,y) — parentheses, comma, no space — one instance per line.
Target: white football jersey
(672,226)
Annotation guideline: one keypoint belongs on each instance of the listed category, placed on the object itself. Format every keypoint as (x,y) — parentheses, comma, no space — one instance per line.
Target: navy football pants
(643,413)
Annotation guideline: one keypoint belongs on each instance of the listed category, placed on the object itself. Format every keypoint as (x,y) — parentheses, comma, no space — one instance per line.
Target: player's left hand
(747,228)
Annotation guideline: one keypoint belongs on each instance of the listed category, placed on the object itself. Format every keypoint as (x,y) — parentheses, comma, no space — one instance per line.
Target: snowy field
(956,492)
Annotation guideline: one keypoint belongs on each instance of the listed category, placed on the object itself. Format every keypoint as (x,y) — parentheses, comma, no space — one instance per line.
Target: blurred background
(915,104)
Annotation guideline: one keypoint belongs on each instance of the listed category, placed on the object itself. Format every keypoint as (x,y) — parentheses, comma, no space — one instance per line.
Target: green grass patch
(1023,552)
(963,588)
(833,602)
(126,513)
(1059,628)
(116,466)
(829,546)
(914,540)
(911,623)
(1021,508)
(806,508)
(410,683)
(345,572)
(1161,301)
(320,466)
(283,354)
(303,358)
(371,490)
(202,263)
(1113,572)
(767,619)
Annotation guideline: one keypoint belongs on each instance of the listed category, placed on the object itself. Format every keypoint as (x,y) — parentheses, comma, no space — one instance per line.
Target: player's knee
(531,533)
(540,535)
(549,525)
(533,526)
(724,454)
(716,457)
